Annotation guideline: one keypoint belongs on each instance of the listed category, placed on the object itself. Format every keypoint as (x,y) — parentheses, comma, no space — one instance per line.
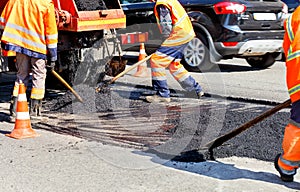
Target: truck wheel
(196,55)
(262,62)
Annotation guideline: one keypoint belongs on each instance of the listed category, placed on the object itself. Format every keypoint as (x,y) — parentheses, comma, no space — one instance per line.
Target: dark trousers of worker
(26,65)
(289,161)
(170,57)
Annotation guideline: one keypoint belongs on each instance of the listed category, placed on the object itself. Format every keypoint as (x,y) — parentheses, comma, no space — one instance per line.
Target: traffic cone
(22,127)
(142,70)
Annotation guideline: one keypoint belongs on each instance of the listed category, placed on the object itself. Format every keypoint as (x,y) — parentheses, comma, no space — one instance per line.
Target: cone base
(141,75)
(22,133)
(22,127)
(141,72)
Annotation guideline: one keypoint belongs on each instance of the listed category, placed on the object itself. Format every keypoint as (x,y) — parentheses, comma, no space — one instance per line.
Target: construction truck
(88,47)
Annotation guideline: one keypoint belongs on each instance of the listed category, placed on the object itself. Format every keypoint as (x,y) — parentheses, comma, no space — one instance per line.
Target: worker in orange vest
(30,30)
(288,162)
(177,31)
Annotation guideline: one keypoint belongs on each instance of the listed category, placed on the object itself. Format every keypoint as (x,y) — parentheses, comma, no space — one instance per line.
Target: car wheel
(196,55)
(262,62)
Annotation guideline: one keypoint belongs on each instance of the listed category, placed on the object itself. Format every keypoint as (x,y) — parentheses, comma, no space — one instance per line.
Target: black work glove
(50,65)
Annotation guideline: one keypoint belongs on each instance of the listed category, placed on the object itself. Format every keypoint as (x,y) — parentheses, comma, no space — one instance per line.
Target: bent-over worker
(177,31)
(30,30)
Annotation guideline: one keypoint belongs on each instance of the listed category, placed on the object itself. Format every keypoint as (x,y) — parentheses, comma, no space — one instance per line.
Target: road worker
(177,31)
(288,162)
(30,30)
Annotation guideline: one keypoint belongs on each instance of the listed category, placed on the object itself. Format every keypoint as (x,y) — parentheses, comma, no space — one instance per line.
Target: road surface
(56,161)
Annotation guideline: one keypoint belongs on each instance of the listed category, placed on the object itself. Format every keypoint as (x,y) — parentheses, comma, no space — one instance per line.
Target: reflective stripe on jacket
(168,57)
(29,27)
(182,31)
(291,47)
(8,53)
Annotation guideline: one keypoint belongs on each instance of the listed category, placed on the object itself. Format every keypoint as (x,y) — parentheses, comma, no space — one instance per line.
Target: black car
(250,29)
(291,4)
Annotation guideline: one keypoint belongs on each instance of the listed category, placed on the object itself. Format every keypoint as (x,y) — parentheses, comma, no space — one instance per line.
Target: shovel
(67,85)
(220,140)
(106,83)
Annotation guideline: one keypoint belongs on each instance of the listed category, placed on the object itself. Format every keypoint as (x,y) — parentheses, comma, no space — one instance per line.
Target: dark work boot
(35,107)
(13,106)
(284,177)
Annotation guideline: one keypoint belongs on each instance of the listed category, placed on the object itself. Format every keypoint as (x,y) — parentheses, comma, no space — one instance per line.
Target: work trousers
(289,161)
(26,65)
(170,57)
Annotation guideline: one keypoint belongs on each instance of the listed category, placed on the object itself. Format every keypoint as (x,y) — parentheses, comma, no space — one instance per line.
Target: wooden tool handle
(67,85)
(130,68)
(220,140)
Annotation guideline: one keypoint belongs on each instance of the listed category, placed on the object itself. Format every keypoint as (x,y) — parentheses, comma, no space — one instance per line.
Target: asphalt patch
(183,120)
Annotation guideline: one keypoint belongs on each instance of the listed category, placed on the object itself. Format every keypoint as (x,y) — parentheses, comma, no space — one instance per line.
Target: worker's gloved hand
(50,65)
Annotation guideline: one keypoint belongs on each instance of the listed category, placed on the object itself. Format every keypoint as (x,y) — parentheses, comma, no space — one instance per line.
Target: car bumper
(250,48)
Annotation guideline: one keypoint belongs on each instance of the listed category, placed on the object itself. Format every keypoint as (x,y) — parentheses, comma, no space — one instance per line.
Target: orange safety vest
(31,25)
(291,47)
(183,31)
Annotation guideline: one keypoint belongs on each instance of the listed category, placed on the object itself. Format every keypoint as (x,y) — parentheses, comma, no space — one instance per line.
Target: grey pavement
(56,162)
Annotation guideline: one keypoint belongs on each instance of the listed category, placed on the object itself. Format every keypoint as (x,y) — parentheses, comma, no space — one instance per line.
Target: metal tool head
(103,86)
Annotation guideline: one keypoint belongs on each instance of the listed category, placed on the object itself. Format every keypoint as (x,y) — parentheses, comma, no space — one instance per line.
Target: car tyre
(196,55)
(262,62)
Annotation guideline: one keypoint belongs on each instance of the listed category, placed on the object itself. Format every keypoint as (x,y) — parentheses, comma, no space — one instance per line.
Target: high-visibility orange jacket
(29,27)
(291,47)
(8,53)
(182,31)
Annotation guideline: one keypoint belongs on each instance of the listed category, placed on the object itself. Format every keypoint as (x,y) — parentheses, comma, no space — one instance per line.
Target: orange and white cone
(142,70)
(22,127)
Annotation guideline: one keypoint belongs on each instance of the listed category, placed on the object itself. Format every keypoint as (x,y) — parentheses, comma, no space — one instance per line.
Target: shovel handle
(67,85)
(220,140)
(130,68)
(124,72)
